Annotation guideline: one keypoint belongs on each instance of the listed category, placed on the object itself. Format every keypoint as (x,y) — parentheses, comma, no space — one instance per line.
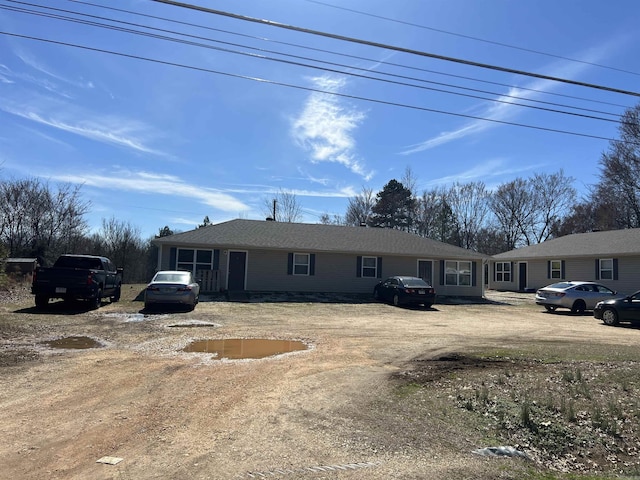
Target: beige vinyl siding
(584,269)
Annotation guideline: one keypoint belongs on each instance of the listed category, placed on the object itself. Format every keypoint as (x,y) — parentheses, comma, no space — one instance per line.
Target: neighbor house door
(522,276)
(425,271)
(237,270)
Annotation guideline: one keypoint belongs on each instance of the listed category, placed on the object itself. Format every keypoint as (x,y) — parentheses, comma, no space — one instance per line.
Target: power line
(392,47)
(477,39)
(309,89)
(369,77)
(342,54)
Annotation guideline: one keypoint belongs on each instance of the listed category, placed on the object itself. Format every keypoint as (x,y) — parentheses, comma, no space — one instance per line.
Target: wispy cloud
(325,127)
(112,130)
(157,184)
(494,168)
(504,111)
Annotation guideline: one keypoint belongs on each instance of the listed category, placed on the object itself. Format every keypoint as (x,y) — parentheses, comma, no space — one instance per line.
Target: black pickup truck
(77,277)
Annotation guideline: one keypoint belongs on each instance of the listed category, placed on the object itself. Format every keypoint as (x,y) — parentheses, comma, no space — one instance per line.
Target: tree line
(521,212)
(40,220)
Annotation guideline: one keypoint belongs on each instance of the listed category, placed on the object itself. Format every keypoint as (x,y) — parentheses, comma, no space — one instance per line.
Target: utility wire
(310,89)
(356,57)
(477,39)
(161,37)
(392,47)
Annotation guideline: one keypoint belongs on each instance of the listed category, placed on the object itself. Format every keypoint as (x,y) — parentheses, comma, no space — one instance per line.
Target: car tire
(116,294)
(96,302)
(550,308)
(376,294)
(41,302)
(396,300)
(578,307)
(428,305)
(610,317)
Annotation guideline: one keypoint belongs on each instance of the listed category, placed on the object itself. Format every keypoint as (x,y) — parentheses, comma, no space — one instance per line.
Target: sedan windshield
(561,285)
(414,282)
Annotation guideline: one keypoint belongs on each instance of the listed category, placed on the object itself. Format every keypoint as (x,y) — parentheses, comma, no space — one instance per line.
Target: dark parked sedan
(611,312)
(401,290)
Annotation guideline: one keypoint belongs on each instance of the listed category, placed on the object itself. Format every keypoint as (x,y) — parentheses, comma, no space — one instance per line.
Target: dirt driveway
(325,412)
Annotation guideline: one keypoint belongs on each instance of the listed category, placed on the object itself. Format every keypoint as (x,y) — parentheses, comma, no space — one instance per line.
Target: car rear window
(415,282)
(561,285)
(172,277)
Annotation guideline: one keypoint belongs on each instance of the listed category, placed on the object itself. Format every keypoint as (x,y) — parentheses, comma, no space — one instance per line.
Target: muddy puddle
(76,343)
(244,348)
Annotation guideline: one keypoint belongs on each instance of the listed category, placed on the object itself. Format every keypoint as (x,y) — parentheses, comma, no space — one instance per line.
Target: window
(194,260)
(606,269)
(503,271)
(301,263)
(556,268)
(370,267)
(457,273)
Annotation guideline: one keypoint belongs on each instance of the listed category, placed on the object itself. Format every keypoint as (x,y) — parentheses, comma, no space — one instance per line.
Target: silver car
(576,296)
(172,287)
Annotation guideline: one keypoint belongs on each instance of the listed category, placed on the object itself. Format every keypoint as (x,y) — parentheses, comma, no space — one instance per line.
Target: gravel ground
(342,409)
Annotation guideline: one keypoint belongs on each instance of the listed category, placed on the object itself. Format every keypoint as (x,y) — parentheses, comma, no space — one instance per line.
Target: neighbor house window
(556,268)
(370,267)
(503,272)
(194,260)
(457,273)
(606,269)
(301,263)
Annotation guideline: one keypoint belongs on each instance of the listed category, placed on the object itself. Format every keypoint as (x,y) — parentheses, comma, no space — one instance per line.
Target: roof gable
(596,244)
(315,238)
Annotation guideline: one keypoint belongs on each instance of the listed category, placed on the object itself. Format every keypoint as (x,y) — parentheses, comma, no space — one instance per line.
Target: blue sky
(166,133)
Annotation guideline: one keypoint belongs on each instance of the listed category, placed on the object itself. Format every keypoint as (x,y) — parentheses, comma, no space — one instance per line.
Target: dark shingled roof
(316,238)
(592,244)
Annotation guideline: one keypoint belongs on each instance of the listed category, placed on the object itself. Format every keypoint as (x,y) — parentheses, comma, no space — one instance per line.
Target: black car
(401,290)
(611,312)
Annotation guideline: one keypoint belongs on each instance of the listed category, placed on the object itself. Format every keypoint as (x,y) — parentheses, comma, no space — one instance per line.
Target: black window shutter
(615,269)
(597,269)
(548,268)
(290,264)
(312,264)
(216,259)
(359,267)
(441,272)
(563,269)
(379,269)
(172,258)
(474,271)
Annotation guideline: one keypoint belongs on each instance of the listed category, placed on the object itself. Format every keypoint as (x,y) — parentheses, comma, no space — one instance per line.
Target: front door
(237,270)
(425,271)
(522,276)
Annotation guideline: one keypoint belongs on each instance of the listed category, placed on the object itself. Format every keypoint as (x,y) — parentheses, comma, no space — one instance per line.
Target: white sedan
(576,296)
(172,287)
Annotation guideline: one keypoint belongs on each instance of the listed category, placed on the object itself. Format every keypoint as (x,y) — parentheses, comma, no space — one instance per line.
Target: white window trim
(458,274)
(194,263)
(307,264)
(374,268)
(601,269)
(558,270)
(503,272)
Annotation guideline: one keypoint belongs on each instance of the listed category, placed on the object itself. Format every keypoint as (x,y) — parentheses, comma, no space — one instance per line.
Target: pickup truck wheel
(116,294)
(97,301)
(42,301)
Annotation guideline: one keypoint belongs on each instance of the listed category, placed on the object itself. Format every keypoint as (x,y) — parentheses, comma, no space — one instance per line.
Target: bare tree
(122,243)
(360,208)
(513,205)
(469,205)
(433,216)
(37,220)
(554,196)
(283,207)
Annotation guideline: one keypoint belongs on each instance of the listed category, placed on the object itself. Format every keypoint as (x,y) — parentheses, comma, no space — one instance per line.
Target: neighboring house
(611,258)
(272,256)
